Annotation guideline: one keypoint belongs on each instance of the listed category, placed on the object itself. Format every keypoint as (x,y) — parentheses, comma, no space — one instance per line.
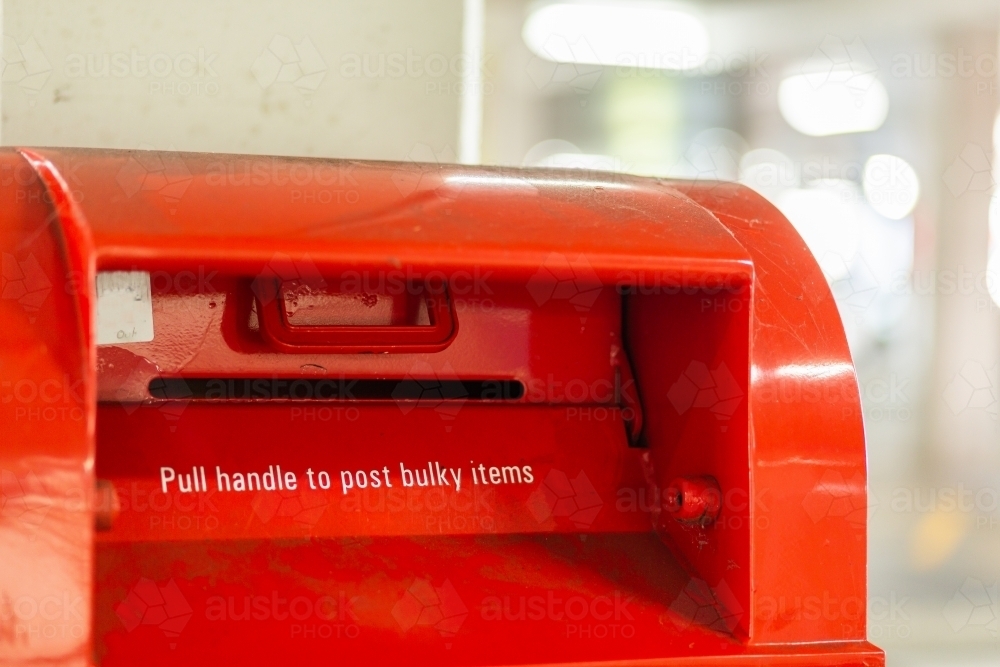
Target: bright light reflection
(828,225)
(498,181)
(891,186)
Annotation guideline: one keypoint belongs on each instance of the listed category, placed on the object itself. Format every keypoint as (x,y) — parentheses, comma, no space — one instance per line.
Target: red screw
(693,499)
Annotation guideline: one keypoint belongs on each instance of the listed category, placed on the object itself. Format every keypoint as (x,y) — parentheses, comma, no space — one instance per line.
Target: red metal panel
(690,355)
(48,407)
(808,456)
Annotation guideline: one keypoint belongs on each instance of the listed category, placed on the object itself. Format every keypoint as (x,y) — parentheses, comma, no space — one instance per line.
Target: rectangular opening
(309,304)
(333,389)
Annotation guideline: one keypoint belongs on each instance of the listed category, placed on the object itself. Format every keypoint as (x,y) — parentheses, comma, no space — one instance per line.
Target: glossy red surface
(492,496)
(693,499)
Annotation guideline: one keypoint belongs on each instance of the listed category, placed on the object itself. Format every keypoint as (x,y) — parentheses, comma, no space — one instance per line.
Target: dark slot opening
(334,389)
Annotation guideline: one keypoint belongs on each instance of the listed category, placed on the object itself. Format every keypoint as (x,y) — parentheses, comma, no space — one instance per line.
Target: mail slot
(464,415)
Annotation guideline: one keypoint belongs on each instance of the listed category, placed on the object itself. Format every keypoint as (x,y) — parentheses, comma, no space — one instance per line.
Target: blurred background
(871,124)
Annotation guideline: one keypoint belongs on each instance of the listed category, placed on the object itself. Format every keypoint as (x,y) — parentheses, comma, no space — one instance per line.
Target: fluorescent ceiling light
(837,101)
(891,186)
(651,36)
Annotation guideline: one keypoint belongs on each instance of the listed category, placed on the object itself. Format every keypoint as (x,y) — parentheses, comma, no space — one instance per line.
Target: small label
(124,308)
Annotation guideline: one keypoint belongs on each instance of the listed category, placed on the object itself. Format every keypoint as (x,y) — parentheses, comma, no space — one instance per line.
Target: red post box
(272,410)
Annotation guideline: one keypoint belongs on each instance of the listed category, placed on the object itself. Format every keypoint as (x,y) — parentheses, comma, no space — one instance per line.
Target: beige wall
(248,77)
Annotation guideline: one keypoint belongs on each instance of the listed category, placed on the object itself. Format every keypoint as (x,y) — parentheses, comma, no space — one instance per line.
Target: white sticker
(124,308)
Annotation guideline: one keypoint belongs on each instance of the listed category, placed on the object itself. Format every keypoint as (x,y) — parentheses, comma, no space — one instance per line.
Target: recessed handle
(277,328)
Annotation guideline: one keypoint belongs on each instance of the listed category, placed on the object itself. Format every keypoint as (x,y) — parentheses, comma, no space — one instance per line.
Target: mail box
(278,410)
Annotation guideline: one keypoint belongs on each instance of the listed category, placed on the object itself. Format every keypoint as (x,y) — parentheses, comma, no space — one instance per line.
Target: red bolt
(693,499)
